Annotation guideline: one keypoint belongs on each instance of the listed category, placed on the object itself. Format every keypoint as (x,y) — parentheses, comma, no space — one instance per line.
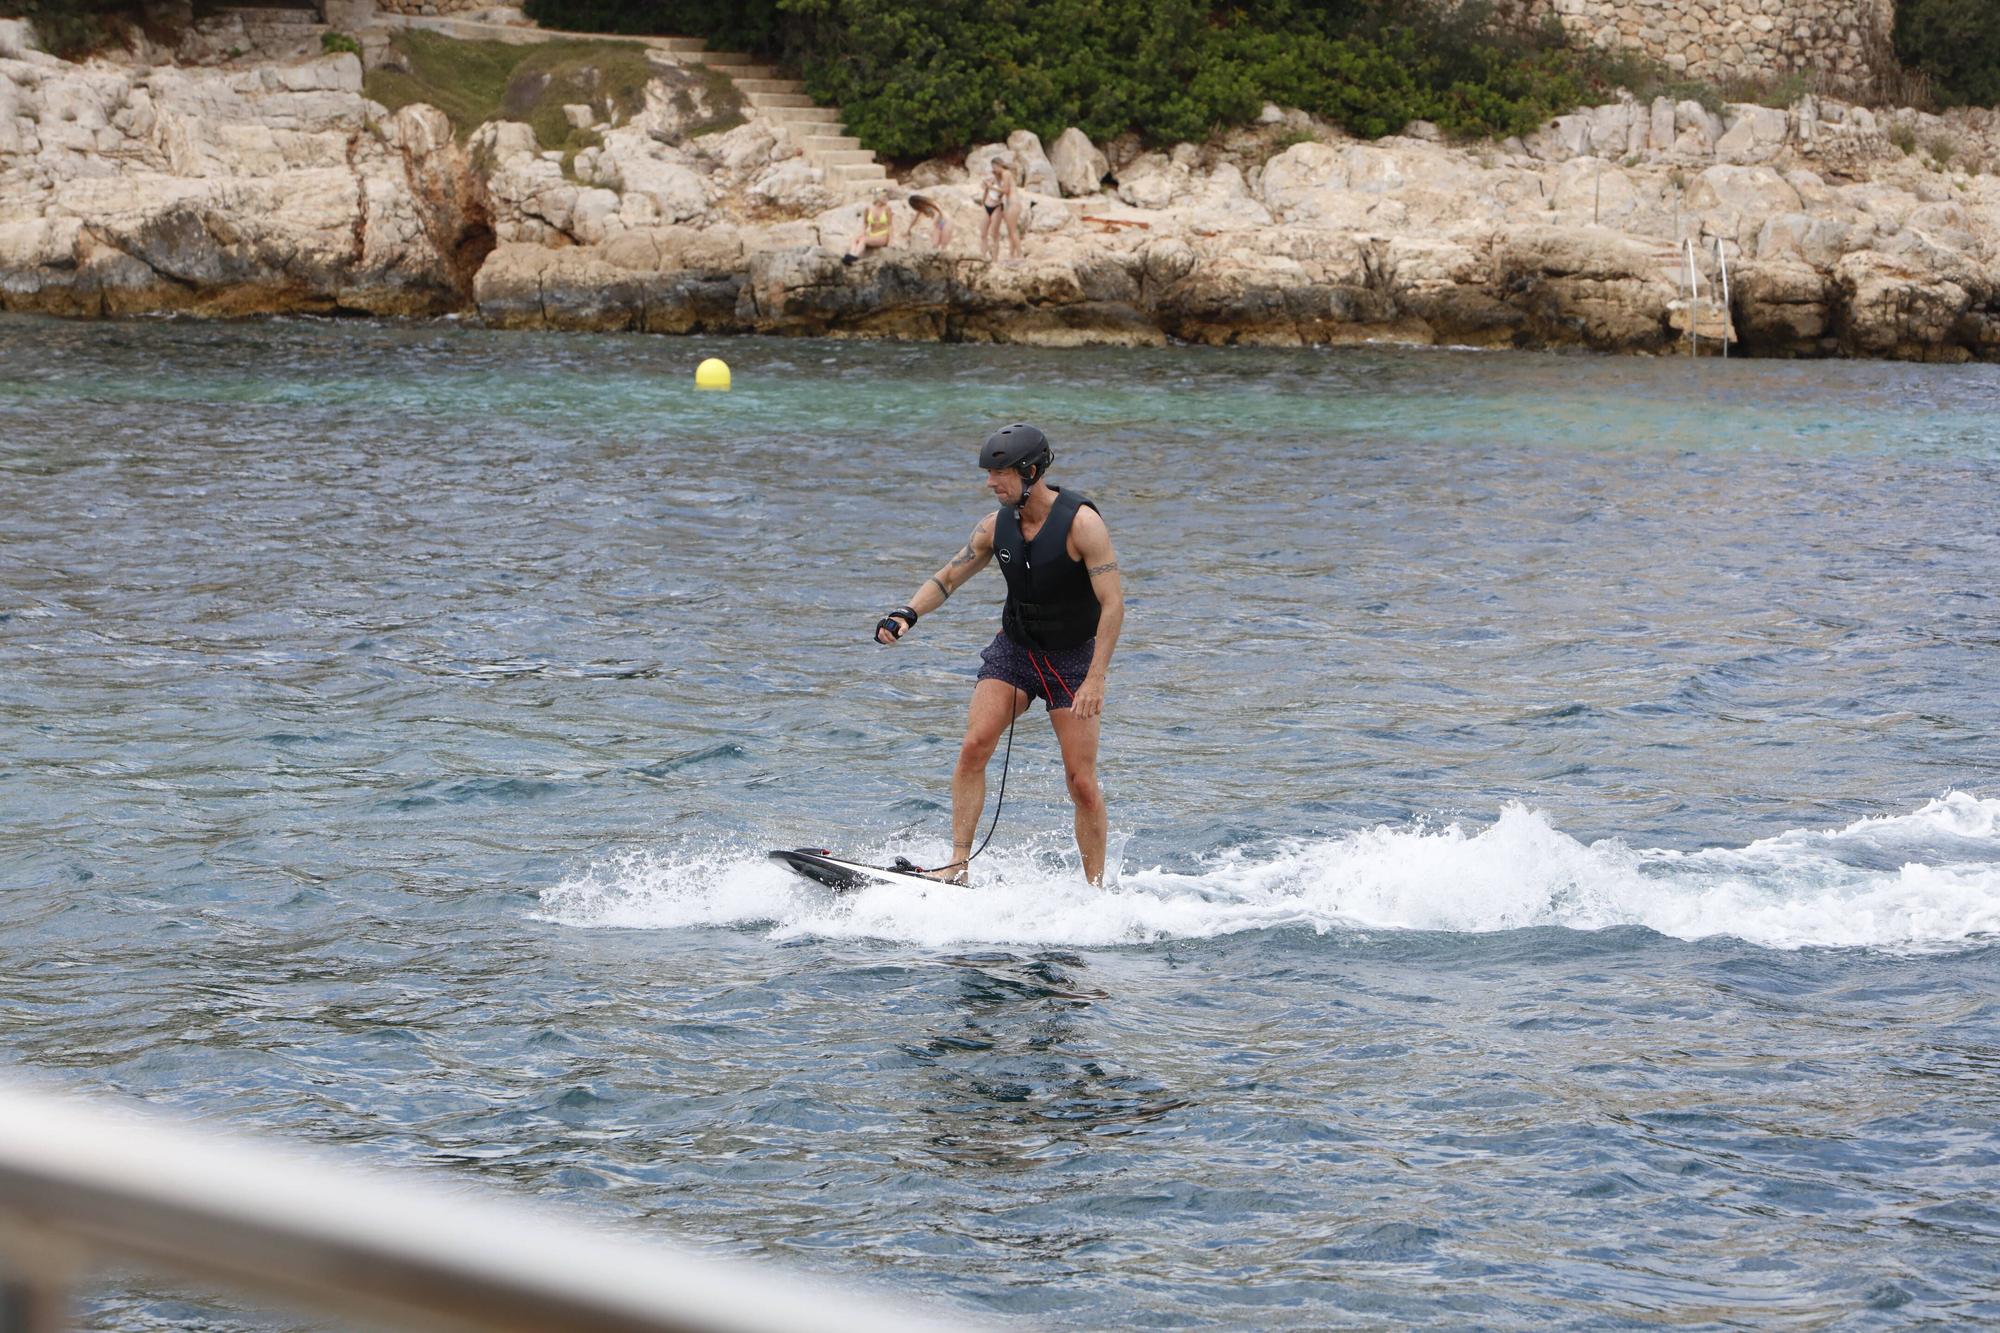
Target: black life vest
(1050,603)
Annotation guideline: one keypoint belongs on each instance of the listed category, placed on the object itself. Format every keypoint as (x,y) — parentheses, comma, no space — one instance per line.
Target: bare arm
(1092,543)
(971,558)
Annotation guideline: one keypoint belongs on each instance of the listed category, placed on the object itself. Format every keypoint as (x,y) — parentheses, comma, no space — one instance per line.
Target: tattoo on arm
(964,557)
(946,592)
(1109,566)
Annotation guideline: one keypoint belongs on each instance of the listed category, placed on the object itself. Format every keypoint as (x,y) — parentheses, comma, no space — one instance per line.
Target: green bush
(1954,42)
(71,29)
(333,43)
(919,77)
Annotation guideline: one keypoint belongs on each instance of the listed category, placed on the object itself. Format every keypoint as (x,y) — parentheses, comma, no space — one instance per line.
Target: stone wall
(1841,40)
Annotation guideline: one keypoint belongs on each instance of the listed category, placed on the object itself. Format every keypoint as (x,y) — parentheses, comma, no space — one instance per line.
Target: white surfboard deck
(843,876)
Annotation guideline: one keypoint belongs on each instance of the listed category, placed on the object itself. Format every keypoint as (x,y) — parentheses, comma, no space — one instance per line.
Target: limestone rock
(1782,307)
(17,40)
(1591,286)
(1735,201)
(793,186)
(503,142)
(1661,131)
(278,186)
(1894,308)
(1755,135)
(1080,169)
(1815,241)
(1561,139)
(749,147)
(1152,181)
(934,172)
(1032,166)
(1589,190)
(531,286)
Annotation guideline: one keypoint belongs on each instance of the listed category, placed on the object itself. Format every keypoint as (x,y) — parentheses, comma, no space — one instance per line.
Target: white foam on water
(1925,880)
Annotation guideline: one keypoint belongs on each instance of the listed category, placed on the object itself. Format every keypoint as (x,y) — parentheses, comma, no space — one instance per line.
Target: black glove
(889,622)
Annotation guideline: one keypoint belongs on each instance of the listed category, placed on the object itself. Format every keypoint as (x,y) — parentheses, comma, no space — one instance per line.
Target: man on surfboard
(1064,609)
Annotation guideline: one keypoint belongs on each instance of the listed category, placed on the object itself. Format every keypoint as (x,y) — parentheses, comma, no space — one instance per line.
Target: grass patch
(334,43)
(474,82)
(725,103)
(1604,72)
(1904,137)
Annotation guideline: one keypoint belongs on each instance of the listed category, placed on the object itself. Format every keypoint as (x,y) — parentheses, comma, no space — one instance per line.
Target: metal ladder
(1693,291)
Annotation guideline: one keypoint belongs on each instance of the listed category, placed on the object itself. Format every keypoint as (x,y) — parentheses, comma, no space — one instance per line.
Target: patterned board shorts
(1046,676)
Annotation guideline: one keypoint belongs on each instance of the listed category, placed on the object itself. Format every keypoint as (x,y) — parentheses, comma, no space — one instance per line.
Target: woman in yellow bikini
(878,224)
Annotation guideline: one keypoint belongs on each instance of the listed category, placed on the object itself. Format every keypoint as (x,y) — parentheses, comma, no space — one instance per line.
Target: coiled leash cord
(903,863)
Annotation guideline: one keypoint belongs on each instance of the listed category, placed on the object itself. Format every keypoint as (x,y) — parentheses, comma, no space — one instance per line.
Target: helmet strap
(1032,472)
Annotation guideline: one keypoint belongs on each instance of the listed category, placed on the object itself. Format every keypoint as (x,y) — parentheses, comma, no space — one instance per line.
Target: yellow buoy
(711,374)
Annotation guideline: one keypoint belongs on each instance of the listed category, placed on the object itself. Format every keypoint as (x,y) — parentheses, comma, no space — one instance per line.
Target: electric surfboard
(823,867)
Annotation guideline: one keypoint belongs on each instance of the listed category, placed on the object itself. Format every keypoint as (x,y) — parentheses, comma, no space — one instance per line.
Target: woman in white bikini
(996,196)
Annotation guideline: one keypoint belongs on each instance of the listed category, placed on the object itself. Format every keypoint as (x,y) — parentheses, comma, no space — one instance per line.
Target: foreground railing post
(82,1184)
(38,1280)
(32,1307)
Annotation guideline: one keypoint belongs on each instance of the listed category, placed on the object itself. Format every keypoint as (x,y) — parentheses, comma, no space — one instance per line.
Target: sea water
(1554,801)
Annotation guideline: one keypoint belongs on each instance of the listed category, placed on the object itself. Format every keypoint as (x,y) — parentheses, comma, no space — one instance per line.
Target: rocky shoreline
(128,186)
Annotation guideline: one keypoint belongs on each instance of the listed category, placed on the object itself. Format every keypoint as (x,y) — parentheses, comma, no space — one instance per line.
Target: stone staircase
(816,131)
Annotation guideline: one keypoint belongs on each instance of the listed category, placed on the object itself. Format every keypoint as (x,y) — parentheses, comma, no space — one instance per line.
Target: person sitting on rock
(940,225)
(996,196)
(878,224)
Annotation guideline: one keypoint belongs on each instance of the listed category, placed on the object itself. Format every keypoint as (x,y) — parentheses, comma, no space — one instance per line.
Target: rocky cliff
(127,188)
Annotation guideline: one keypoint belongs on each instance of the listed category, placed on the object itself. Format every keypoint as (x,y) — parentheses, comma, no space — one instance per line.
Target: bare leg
(995,703)
(1078,738)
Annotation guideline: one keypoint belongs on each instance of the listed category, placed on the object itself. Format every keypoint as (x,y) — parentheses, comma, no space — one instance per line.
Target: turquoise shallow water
(1554,798)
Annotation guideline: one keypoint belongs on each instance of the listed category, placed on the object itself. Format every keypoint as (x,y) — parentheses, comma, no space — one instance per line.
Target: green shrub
(919,77)
(1903,137)
(71,29)
(1956,43)
(333,43)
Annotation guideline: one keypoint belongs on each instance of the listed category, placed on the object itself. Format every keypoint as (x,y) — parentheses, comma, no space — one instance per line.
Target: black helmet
(1021,447)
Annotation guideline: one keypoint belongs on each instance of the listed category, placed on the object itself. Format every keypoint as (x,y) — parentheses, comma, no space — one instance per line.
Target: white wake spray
(1930,879)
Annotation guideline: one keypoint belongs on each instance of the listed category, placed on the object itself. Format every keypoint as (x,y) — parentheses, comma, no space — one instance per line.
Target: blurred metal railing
(82,1185)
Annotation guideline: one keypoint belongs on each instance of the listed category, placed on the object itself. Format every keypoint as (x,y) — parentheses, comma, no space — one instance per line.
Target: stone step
(799,116)
(271,19)
(270,15)
(762,100)
(853,172)
(721,58)
(742,72)
(826,143)
(766,85)
(678,45)
(843,157)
